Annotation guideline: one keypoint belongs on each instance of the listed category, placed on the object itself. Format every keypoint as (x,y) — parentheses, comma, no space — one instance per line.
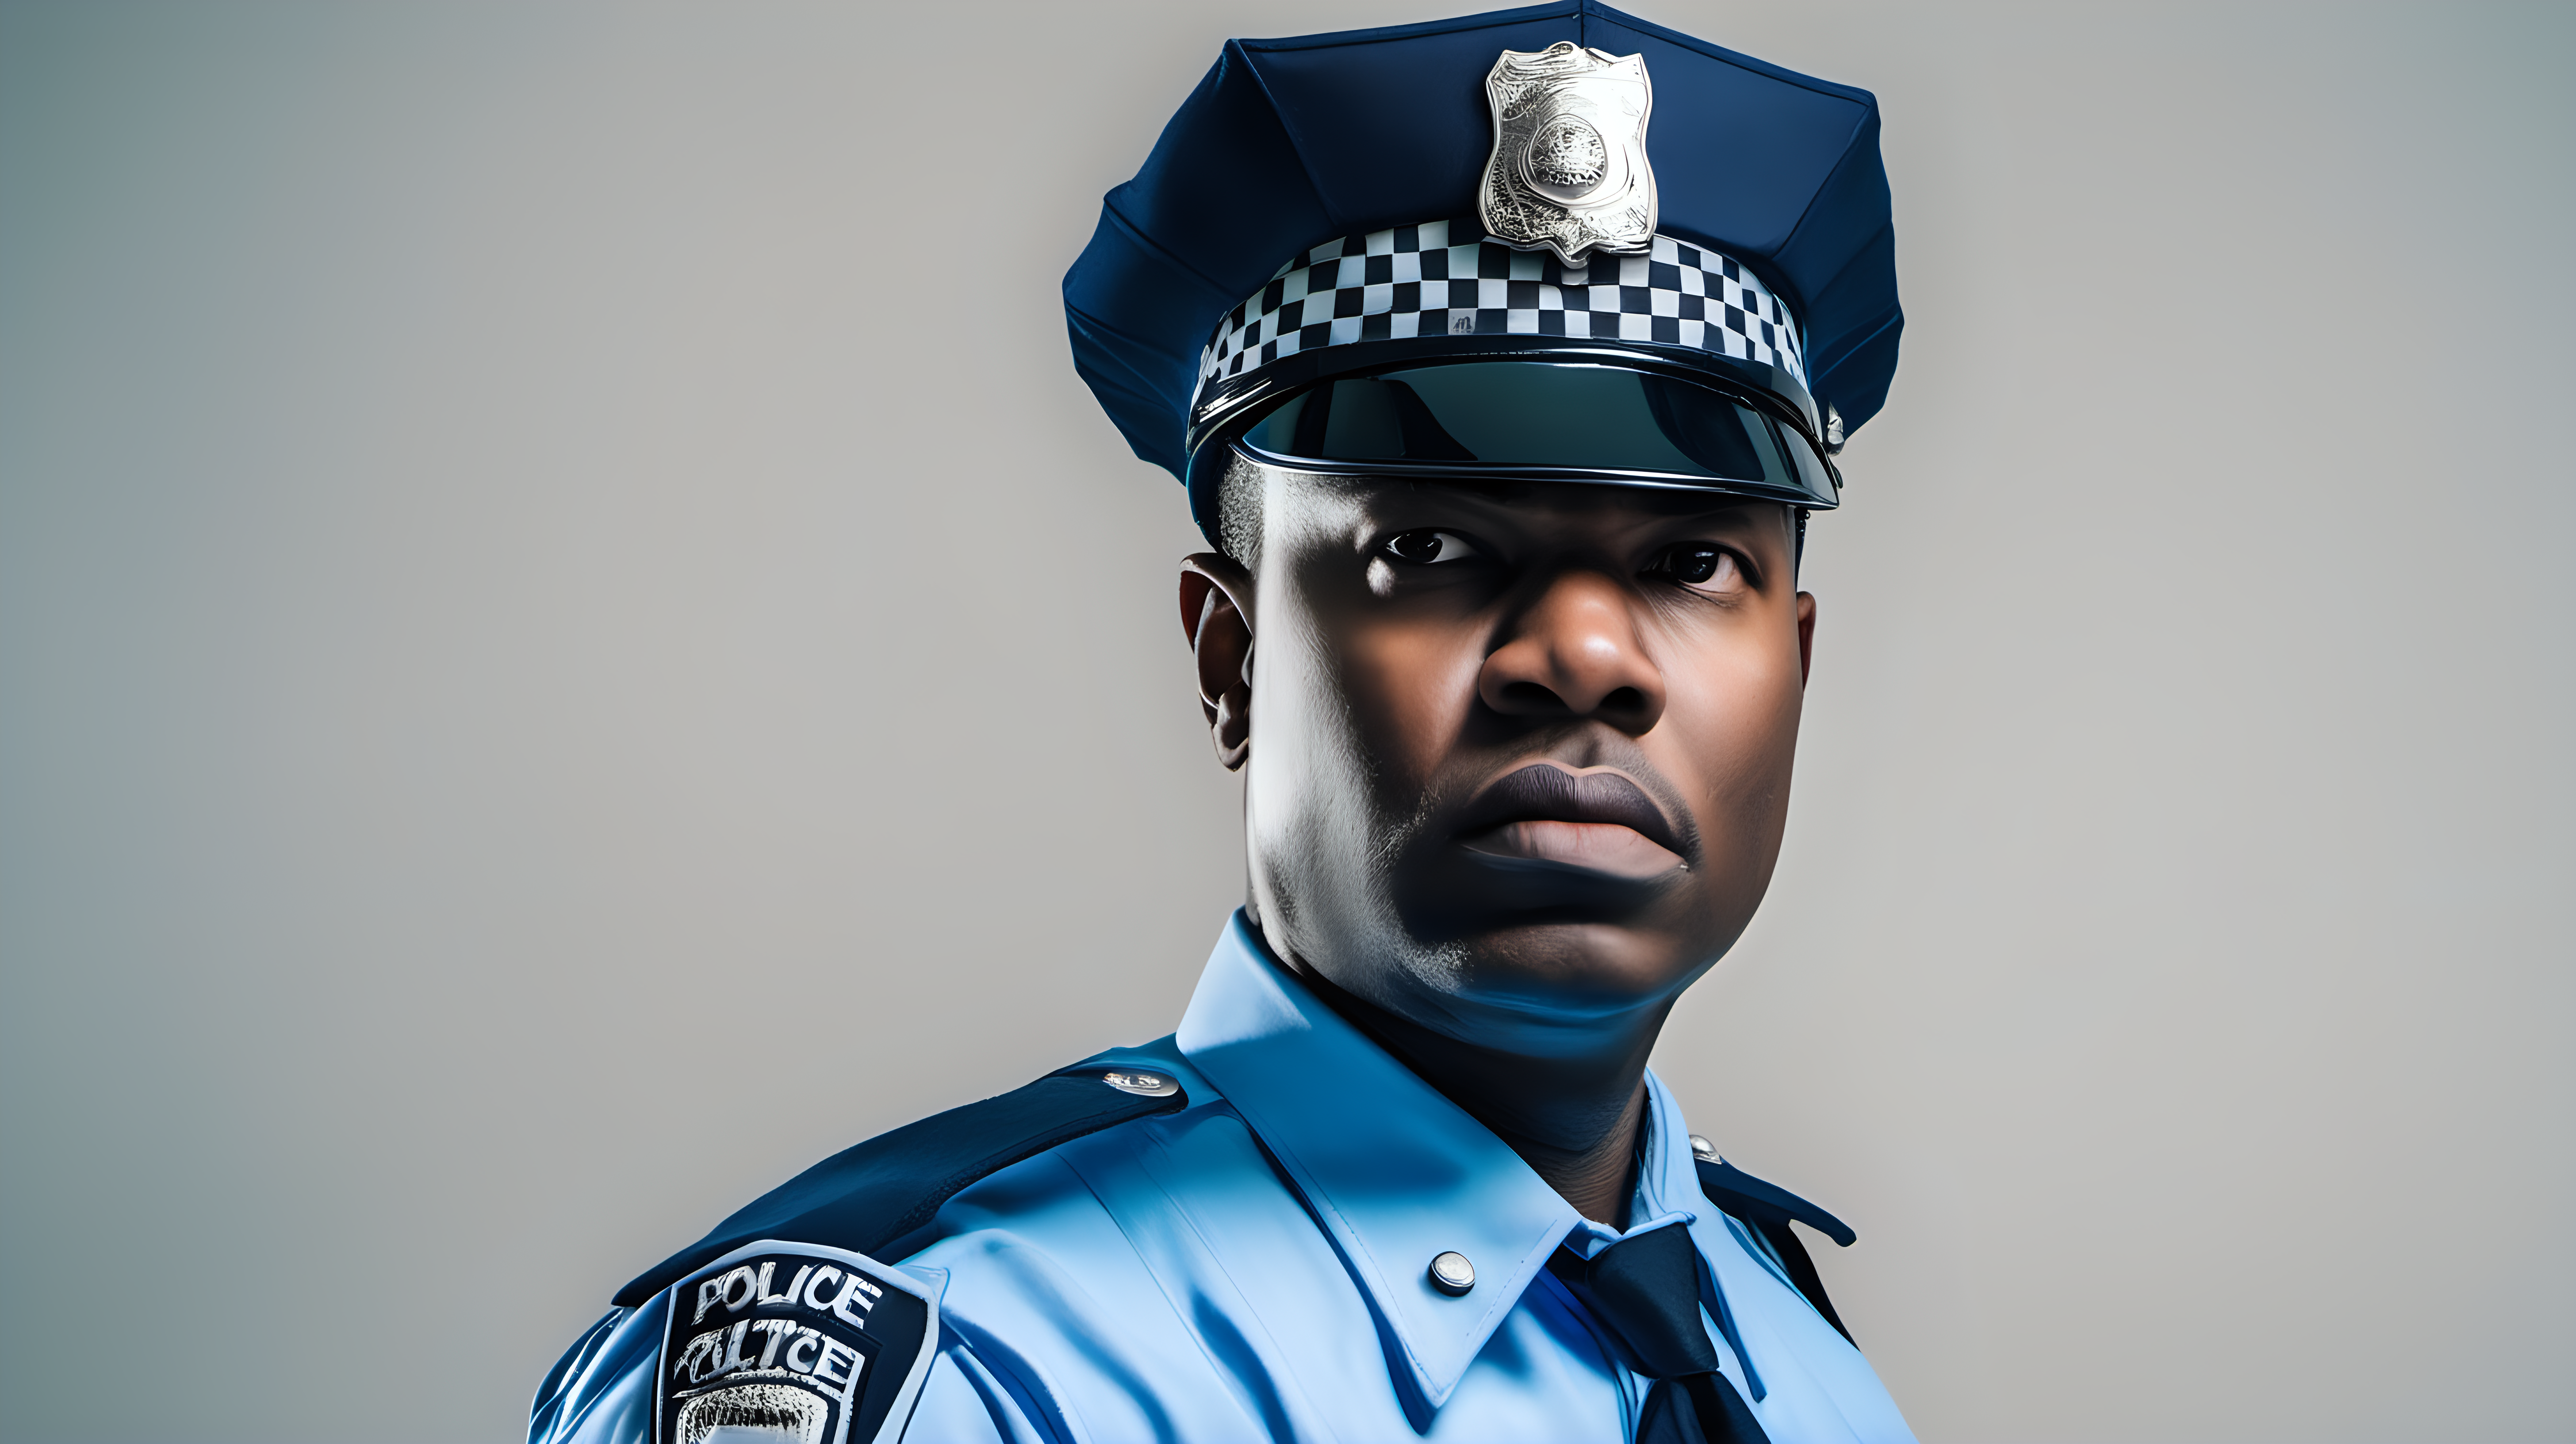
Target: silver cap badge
(1569,169)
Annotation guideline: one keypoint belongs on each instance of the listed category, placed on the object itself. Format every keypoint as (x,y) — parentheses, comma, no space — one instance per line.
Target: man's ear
(1216,615)
(1806,635)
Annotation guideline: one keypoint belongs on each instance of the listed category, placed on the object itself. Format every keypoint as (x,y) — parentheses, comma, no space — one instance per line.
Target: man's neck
(1575,1121)
(1598,1178)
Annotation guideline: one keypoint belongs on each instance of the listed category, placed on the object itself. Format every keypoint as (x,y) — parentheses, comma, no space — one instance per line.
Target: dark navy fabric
(1748,1197)
(1286,144)
(1770,1209)
(866,1197)
(1645,1291)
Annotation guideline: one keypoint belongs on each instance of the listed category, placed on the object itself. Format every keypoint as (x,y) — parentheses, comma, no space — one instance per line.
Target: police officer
(1504,359)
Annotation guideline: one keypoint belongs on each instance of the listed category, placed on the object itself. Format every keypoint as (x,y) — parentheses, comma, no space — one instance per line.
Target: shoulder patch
(791,1343)
(870,1196)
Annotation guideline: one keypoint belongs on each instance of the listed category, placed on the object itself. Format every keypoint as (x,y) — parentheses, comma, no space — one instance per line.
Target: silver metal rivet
(1451,1274)
(1703,1150)
(1140,1082)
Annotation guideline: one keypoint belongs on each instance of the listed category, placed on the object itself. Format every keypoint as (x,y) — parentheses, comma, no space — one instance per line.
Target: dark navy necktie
(1645,1292)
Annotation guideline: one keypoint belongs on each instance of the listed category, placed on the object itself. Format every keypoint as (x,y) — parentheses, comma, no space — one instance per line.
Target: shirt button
(1703,1150)
(1451,1274)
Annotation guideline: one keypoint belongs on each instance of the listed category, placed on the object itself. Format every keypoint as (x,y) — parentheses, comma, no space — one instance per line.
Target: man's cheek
(1732,759)
(1409,692)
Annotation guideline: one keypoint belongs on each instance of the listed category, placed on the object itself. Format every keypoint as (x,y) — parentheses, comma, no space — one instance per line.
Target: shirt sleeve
(601,1392)
(963,1402)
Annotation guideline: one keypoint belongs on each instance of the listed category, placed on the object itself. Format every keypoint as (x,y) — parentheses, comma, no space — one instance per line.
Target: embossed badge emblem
(1569,170)
(790,1343)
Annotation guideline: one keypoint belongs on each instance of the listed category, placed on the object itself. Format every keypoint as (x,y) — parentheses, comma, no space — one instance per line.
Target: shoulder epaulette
(1769,1209)
(871,1195)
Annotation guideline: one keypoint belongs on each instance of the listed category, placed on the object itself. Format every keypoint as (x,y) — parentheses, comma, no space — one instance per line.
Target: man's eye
(1710,569)
(1427,547)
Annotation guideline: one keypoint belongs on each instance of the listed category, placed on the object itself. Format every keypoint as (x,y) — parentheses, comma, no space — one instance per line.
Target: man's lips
(1598,821)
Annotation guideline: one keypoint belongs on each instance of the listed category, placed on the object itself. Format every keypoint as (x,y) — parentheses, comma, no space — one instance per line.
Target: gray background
(572,644)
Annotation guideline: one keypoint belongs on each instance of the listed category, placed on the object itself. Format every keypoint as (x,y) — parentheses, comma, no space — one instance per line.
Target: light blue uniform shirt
(1255,1266)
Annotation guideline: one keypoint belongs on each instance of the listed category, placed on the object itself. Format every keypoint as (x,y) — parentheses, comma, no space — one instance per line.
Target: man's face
(1519,755)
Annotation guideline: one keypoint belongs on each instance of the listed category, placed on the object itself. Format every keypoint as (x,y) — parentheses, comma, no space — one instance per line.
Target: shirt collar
(1395,1173)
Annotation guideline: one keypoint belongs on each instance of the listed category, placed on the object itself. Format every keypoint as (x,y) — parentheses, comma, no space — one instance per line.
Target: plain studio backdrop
(572,644)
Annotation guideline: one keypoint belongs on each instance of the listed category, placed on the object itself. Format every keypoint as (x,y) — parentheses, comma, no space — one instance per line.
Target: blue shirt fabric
(1255,1266)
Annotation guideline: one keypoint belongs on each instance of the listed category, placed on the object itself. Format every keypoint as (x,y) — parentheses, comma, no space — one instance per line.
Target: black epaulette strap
(868,1196)
(1769,1208)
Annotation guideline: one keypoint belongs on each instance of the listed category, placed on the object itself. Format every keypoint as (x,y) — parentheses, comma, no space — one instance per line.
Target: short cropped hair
(1239,497)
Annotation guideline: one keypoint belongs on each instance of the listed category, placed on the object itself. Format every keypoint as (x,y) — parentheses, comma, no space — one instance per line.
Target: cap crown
(1287,144)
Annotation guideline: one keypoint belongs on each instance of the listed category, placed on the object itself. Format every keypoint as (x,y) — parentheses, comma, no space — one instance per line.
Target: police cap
(1557,242)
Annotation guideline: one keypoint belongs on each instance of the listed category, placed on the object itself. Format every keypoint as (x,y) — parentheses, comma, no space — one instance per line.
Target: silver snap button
(1451,1274)
(1140,1082)
(1703,1150)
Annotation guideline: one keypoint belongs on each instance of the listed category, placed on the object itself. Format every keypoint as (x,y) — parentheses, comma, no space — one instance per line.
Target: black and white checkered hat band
(1445,277)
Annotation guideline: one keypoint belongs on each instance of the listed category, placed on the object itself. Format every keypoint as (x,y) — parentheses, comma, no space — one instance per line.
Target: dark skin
(1521,777)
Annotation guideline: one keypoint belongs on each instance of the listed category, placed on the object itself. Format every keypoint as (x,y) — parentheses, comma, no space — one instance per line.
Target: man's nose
(1575,652)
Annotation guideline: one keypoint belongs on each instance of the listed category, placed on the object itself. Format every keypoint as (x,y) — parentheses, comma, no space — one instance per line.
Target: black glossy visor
(1542,420)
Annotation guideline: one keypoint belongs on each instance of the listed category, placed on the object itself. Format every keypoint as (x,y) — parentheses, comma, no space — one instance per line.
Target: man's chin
(1541,985)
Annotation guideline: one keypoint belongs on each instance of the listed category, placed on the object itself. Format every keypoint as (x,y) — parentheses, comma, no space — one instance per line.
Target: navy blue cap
(1288,146)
